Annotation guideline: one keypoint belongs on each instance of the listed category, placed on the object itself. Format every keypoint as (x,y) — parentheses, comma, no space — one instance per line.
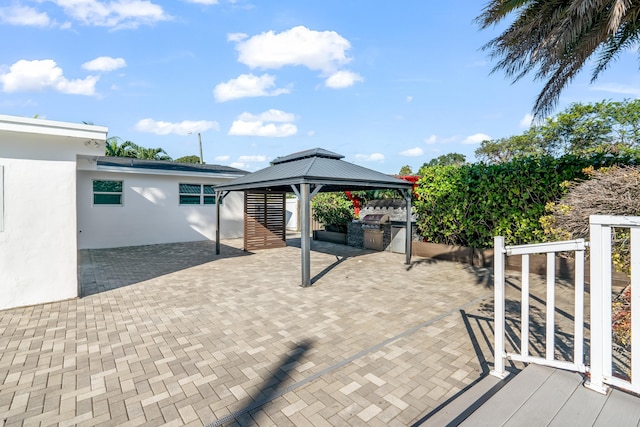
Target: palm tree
(115,147)
(554,38)
(151,153)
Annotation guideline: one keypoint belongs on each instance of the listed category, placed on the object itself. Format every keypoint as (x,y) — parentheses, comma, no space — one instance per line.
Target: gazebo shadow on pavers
(101,270)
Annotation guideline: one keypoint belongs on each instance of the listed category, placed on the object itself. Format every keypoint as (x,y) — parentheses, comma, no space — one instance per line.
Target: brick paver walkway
(175,335)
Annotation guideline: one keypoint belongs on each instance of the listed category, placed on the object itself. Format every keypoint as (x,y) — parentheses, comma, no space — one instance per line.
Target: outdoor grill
(373,233)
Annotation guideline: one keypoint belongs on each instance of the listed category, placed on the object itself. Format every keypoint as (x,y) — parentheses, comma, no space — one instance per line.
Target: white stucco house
(58,195)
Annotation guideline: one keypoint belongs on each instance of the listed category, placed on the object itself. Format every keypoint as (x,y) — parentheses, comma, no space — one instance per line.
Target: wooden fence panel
(264,220)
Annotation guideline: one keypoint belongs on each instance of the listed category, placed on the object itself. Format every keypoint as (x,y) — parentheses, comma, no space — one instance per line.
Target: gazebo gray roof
(306,173)
(317,167)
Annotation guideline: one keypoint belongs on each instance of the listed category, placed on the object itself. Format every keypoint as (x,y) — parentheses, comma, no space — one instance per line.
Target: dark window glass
(107,199)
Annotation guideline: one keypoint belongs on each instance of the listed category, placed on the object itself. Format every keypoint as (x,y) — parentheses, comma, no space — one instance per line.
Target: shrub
(470,204)
(332,209)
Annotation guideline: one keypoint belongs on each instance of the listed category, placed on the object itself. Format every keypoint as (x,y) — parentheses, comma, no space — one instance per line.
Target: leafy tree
(115,147)
(405,170)
(188,159)
(581,129)
(451,159)
(553,39)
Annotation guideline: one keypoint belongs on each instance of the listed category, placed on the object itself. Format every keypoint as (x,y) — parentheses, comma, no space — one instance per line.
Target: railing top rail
(615,221)
(542,248)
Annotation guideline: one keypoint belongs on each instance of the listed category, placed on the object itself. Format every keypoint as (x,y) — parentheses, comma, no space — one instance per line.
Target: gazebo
(307,173)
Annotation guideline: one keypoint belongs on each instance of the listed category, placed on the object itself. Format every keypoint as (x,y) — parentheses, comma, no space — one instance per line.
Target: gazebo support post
(305,239)
(219,197)
(409,233)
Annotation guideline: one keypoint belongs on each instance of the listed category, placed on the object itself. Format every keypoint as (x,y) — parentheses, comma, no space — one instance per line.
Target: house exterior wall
(151,213)
(38,245)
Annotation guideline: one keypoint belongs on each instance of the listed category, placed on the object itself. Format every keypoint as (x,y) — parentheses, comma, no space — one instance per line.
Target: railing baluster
(524,307)
(607,340)
(551,305)
(635,305)
(578,334)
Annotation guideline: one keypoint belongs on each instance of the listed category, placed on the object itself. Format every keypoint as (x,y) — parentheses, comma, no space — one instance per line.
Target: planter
(330,236)
(483,258)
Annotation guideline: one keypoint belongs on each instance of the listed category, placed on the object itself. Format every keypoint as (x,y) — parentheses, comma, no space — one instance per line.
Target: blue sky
(385,84)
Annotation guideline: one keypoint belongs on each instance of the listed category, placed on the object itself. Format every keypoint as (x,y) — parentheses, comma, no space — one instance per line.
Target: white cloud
(526,121)
(114,14)
(271,115)
(104,63)
(206,2)
(242,128)
(239,165)
(412,152)
(435,139)
(476,138)
(38,75)
(271,123)
(247,85)
(236,37)
(252,159)
(316,50)
(409,98)
(24,15)
(182,128)
(222,158)
(375,157)
(618,88)
(342,79)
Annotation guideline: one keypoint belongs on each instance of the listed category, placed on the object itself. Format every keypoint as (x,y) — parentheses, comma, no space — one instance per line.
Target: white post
(499,307)
(598,328)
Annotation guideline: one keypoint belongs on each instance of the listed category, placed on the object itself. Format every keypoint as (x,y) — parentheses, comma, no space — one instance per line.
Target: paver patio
(175,335)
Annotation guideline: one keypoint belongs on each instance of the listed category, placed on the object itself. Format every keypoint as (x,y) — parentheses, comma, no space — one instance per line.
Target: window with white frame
(107,192)
(197,194)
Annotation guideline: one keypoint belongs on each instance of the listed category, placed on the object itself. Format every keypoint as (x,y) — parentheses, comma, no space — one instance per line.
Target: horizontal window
(197,194)
(107,192)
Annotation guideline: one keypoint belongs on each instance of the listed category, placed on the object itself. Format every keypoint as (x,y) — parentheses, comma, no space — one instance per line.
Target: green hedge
(468,205)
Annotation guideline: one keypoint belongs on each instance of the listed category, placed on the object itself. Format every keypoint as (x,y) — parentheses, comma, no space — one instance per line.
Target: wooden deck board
(502,406)
(621,409)
(539,396)
(582,408)
(547,400)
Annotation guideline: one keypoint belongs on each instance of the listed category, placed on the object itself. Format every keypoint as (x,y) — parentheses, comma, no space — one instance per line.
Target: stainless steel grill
(373,233)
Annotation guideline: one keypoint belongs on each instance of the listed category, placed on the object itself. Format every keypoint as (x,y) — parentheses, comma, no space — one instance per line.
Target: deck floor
(539,396)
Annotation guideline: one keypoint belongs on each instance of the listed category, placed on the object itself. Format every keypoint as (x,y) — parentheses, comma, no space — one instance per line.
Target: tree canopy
(450,159)
(188,159)
(405,170)
(553,39)
(581,129)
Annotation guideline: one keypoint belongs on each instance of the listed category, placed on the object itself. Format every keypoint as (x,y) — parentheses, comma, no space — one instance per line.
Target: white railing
(550,249)
(601,366)
(601,278)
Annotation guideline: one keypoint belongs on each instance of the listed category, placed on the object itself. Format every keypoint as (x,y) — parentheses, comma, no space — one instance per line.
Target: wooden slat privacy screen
(264,220)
